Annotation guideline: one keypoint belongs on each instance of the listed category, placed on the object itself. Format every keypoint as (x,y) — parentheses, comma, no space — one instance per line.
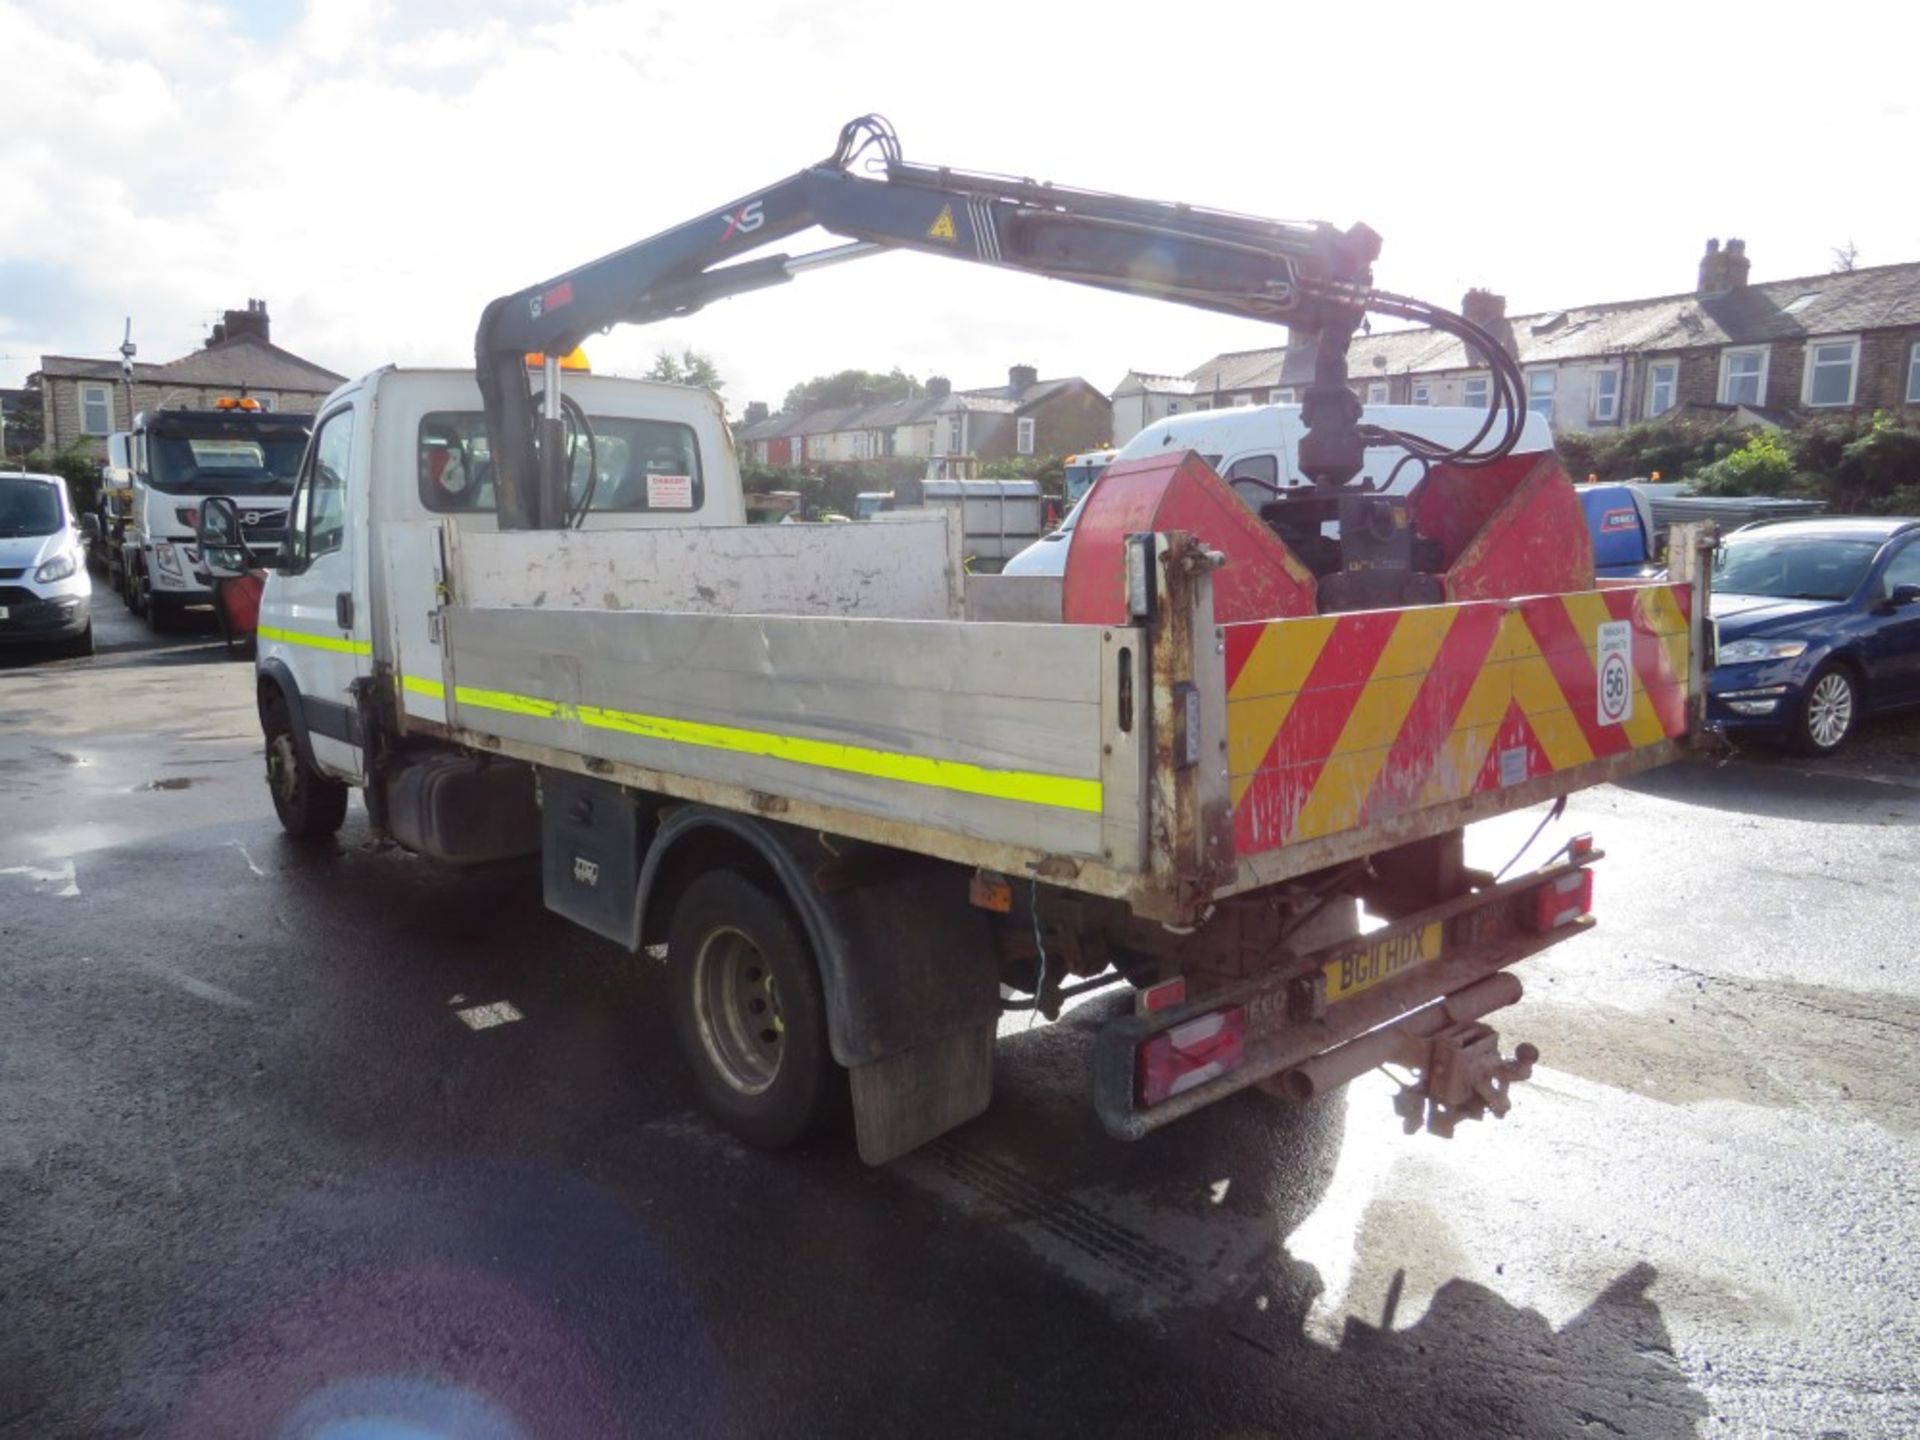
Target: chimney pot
(1020,377)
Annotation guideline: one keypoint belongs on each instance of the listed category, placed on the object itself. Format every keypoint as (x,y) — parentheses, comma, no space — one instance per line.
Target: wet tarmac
(290,1136)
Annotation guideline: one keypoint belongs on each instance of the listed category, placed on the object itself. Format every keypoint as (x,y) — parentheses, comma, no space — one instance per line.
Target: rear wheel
(1828,712)
(748,1011)
(310,805)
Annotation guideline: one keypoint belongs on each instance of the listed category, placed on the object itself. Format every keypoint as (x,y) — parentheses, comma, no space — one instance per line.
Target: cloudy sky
(377,170)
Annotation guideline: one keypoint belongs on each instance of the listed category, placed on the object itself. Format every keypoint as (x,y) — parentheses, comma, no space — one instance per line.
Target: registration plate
(1381,961)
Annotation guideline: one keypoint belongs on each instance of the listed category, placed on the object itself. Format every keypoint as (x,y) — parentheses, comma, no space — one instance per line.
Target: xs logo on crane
(747,219)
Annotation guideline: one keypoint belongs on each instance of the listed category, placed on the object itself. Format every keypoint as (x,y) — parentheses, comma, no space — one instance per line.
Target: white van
(45,590)
(1262,443)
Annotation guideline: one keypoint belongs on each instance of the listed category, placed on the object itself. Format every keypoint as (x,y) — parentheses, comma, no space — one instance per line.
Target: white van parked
(1262,443)
(45,590)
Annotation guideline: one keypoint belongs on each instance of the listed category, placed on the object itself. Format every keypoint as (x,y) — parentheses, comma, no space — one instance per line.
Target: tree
(848,387)
(1846,258)
(689,367)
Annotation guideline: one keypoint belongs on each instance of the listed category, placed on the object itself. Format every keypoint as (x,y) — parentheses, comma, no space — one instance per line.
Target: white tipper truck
(857,814)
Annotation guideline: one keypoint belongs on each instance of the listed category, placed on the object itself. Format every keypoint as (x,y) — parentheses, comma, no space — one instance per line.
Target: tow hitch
(1456,1055)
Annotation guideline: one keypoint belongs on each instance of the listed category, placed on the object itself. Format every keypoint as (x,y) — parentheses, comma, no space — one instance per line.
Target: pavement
(293,1136)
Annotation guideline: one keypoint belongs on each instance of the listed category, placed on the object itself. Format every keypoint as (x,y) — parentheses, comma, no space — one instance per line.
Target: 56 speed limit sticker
(1613,659)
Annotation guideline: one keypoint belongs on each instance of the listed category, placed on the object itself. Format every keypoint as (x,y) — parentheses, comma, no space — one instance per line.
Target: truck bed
(1034,748)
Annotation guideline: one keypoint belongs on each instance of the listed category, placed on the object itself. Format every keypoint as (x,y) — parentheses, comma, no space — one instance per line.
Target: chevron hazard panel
(1337,721)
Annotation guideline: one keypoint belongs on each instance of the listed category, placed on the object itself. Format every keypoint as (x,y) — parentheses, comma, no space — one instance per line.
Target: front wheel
(748,1011)
(1828,713)
(311,806)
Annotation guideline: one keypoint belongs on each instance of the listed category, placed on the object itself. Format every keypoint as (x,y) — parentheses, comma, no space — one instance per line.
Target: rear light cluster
(1560,902)
(1191,1053)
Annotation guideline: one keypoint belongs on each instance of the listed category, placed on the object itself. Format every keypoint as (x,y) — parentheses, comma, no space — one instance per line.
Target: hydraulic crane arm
(1312,278)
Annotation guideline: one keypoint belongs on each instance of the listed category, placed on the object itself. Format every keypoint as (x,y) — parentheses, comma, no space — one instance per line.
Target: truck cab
(172,460)
(396,453)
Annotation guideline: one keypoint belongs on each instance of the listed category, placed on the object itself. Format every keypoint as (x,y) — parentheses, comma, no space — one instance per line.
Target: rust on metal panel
(1287,862)
(1192,819)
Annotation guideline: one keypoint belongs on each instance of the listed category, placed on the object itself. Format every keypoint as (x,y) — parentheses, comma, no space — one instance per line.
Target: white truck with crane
(857,814)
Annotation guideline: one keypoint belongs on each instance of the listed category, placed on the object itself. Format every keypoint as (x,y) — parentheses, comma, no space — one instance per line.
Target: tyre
(1828,711)
(81,645)
(136,591)
(162,613)
(311,806)
(748,1011)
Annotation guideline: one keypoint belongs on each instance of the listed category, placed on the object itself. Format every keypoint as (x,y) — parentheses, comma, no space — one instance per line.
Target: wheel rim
(1830,710)
(283,767)
(737,1005)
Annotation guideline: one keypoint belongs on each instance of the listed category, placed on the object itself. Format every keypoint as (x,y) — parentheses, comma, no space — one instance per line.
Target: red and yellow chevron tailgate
(1337,721)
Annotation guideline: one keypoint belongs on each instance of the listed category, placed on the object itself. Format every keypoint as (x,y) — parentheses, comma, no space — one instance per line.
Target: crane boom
(1310,277)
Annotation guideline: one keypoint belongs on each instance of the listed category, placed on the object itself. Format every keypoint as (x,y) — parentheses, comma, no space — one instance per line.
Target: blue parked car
(1819,624)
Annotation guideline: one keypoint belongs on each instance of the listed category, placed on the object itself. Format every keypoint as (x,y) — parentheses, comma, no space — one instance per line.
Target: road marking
(485,1017)
(246,857)
(193,985)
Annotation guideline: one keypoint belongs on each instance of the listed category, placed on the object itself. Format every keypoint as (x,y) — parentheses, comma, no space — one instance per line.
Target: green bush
(1762,466)
(1667,448)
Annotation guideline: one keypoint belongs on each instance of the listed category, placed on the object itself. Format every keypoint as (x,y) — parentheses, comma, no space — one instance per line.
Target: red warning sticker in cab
(669,492)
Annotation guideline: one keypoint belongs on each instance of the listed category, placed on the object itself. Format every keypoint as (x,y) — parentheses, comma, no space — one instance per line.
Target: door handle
(343,609)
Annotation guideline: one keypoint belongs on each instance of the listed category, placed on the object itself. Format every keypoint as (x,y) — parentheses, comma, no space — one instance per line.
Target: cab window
(630,465)
(319,515)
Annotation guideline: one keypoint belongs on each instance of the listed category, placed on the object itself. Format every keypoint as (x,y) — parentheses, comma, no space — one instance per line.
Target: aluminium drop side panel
(897,571)
(992,732)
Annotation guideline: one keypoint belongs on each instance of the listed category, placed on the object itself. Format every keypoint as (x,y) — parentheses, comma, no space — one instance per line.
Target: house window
(1663,385)
(1285,397)
(265,402)
(1173,407)
(1474,391)
(96,409)
(1743,376)
(1203,404)
(955,427)
(1423,394)
(1540,387)
(1243,400)
(1023,435)
(1376,392)
(1913,376)
(1606,395)
(1832,366)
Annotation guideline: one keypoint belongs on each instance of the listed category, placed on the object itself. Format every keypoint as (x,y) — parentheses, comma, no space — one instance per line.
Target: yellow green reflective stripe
(335,643)
(1059,792)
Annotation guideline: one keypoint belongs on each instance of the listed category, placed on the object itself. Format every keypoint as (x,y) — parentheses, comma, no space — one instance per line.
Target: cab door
(313,617)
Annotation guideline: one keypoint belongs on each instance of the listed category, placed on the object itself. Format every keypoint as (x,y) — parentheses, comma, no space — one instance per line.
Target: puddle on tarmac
(1771,1043)
(171,782)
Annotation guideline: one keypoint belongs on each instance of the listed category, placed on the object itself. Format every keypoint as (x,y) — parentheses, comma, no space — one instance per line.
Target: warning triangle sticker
(942,227)
(1516,754)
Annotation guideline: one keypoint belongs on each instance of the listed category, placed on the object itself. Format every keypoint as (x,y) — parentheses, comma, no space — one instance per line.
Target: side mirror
(1904,595)
(223,547)
(90,528)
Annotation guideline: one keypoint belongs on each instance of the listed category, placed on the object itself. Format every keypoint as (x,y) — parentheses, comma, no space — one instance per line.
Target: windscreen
(27,507)
(218,460)
(1792,567)
(629,465)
